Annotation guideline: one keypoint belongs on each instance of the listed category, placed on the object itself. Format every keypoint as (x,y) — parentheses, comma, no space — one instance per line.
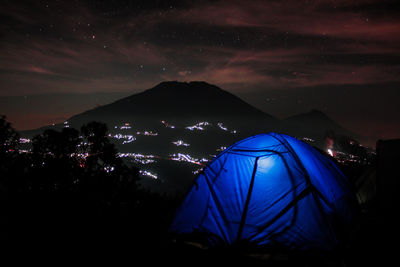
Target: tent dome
(268,190)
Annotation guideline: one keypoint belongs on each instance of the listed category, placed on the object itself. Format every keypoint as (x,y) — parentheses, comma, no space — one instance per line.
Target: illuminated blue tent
(268,190)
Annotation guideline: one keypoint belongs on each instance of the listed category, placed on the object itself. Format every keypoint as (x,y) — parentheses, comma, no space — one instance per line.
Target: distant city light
(108,169)
(222,127)
(80,155)
(180,143)
(128,138)
(147,173)
(166,124)
(126,126)
(195,172)
(199,126)
(187,158)
(147,133)
(129,141)
(138,158)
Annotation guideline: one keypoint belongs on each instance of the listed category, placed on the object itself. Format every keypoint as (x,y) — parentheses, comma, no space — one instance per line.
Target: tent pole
(246,205)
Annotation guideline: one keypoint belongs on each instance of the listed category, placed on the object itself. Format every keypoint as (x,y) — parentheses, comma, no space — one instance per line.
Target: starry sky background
(59,58)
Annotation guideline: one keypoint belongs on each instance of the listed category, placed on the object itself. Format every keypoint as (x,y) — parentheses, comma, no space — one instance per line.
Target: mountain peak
(172,83)
(314,121)
(316,113)
(192,86)
(174,99)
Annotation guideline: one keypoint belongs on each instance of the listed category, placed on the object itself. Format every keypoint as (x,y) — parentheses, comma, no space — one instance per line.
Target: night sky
(284,57)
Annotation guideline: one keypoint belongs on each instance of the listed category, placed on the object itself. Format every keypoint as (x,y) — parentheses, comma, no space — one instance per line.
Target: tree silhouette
(9,156)
(55,165)
(57,144)
(105,173)
(8,141)
(12,168)
(72,187)
(8,136)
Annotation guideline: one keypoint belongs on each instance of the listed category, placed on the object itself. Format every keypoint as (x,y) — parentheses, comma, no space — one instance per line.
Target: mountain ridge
(180,103)
(191,102)
(315,121)
(180,99)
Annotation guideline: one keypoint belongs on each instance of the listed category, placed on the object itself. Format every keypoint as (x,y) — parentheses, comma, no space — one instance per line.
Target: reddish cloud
(233,75)
(321,18)
(39,70)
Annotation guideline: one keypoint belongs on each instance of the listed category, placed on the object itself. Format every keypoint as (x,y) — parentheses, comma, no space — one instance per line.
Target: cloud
(322,18)
(282,43)
(39,70)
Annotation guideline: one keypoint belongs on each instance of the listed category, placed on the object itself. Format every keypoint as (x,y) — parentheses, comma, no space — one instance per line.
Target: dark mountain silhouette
(176,101)
(314,124)
(186,103)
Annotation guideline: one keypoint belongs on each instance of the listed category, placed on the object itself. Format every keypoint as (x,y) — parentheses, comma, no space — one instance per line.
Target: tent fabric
(268,190)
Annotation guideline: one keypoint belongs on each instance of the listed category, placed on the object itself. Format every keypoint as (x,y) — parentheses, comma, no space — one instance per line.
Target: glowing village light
(128,138)
(147,133)
(66,125)
(147,173)
(191,128)
(187,158)
(308,139)
(24,140)
(138,158)
(166,124)
(109,169)
(195,172)
(221,126)
(180,143)
(199,126)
